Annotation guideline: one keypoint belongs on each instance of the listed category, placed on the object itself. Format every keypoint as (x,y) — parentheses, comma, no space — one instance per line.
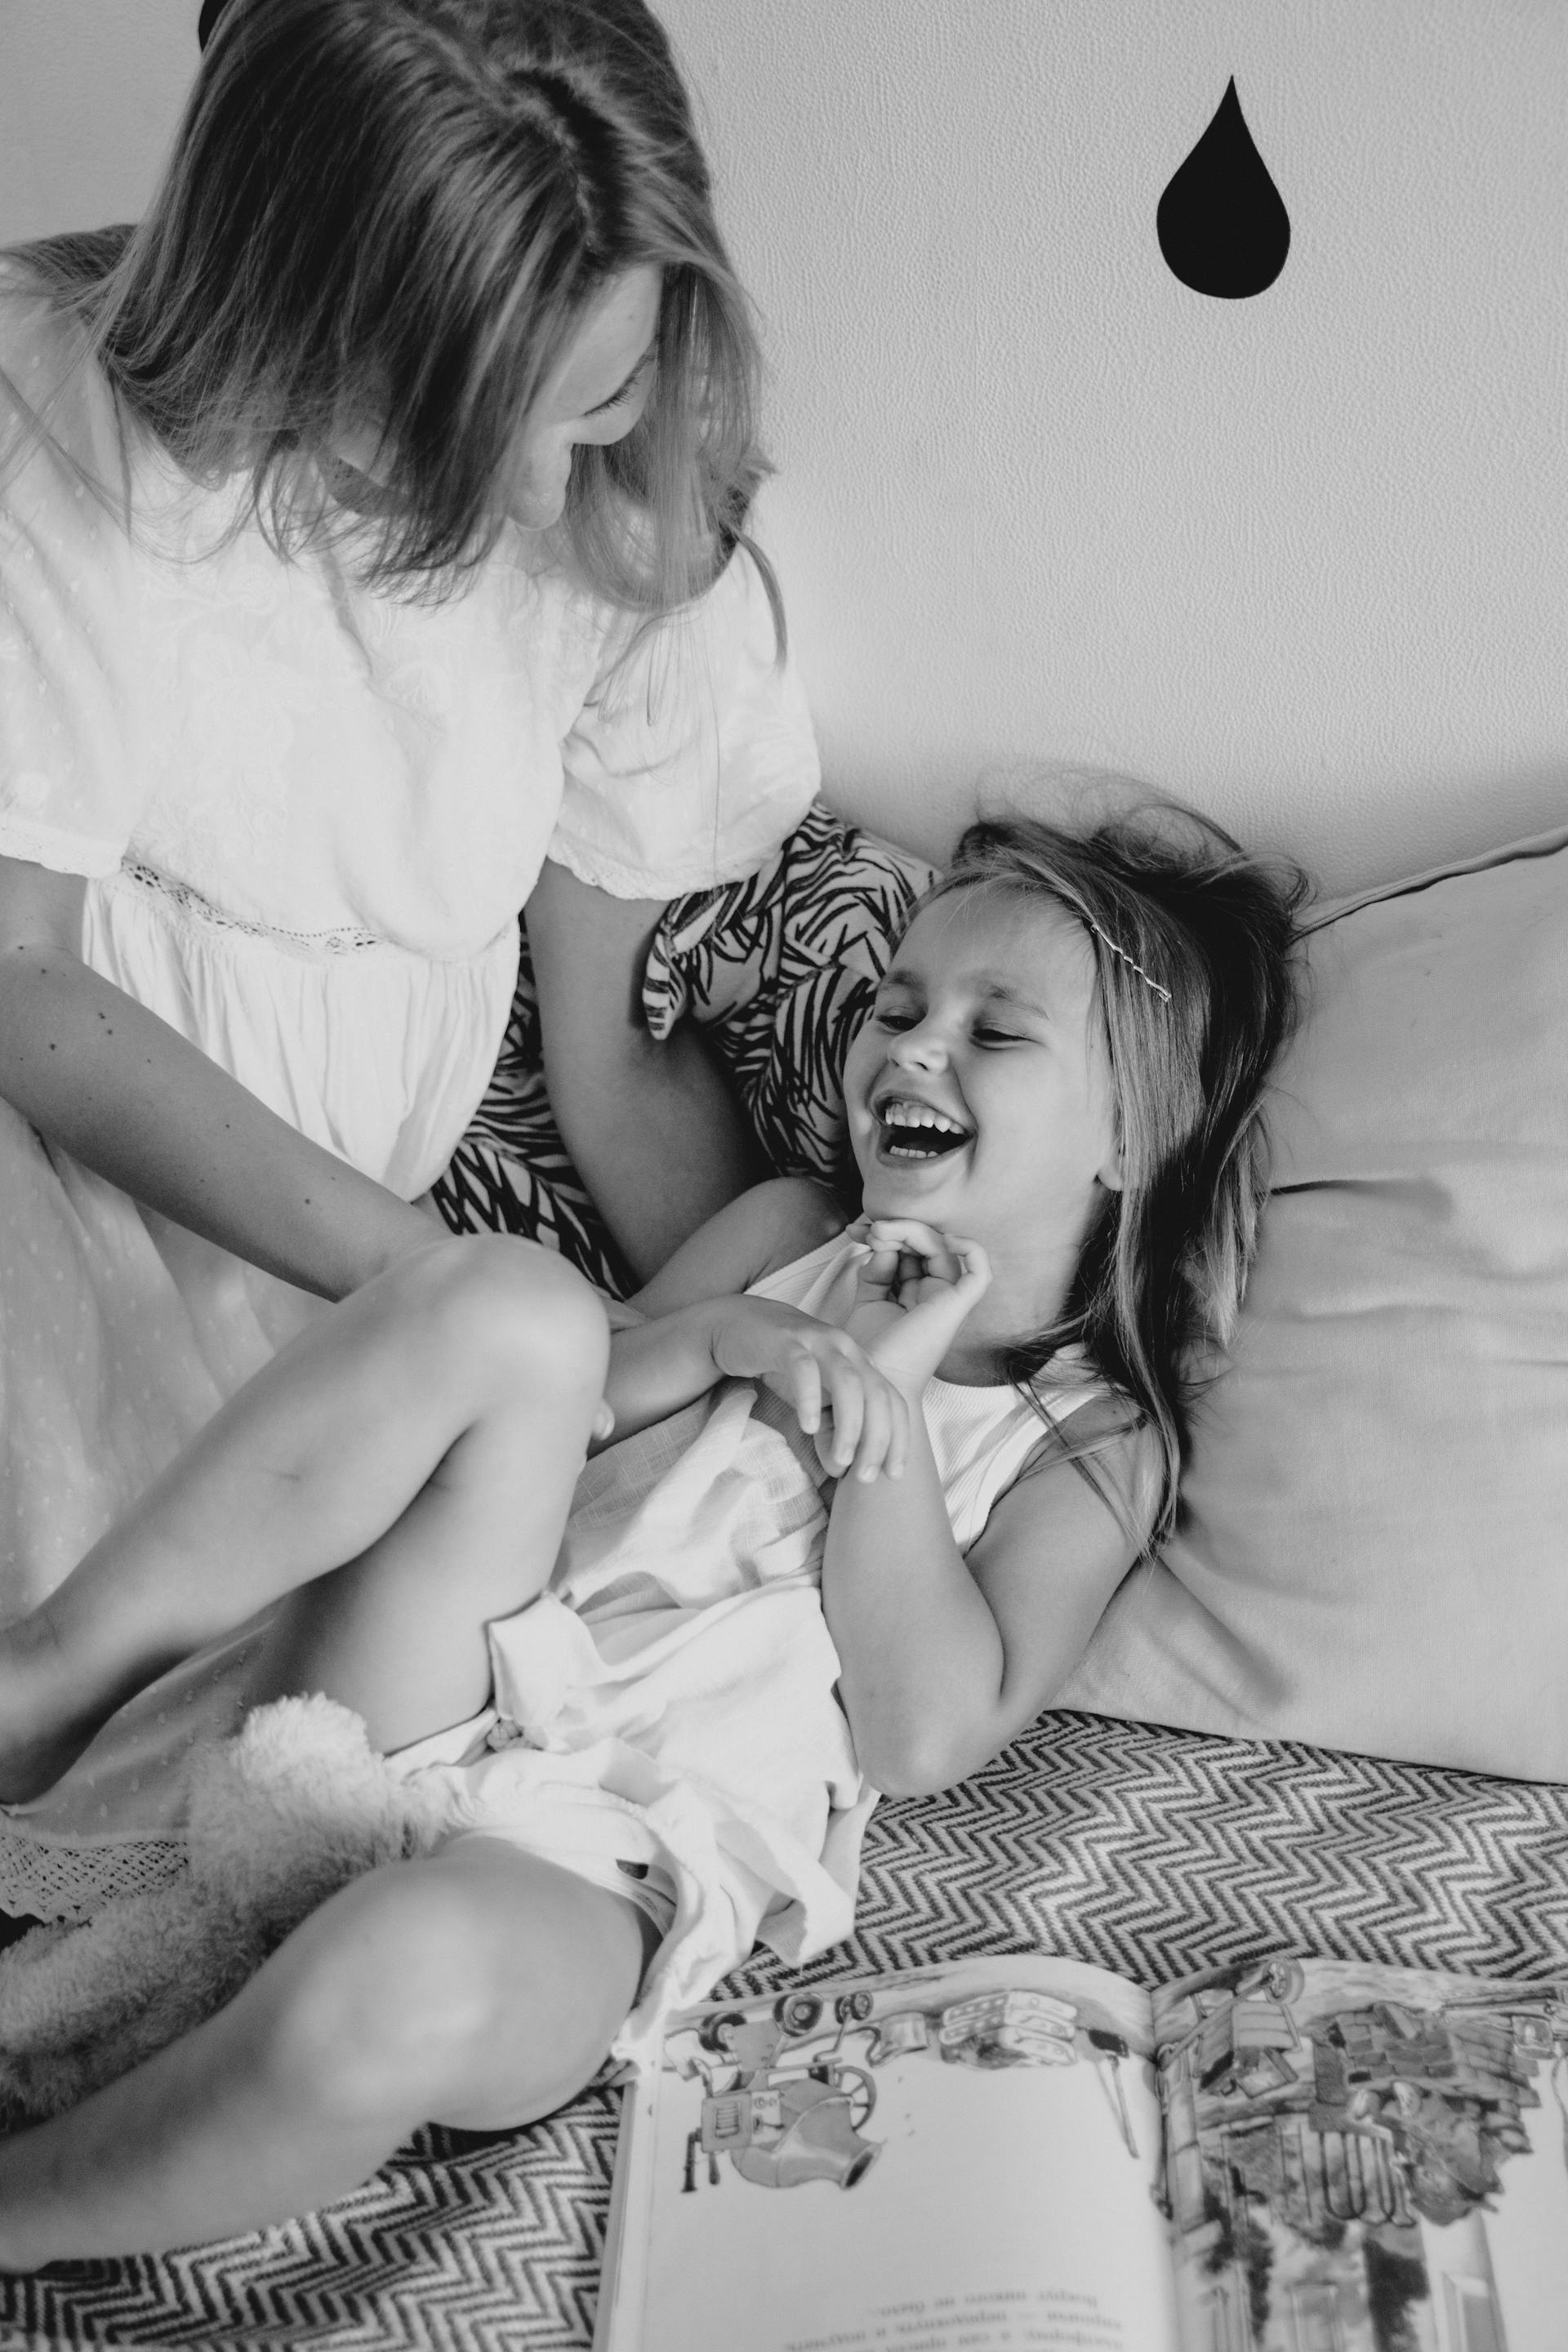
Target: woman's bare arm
(651,1126)
(131,1098)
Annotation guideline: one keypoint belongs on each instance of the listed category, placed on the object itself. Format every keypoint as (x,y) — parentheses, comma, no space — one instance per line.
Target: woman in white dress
(372,531)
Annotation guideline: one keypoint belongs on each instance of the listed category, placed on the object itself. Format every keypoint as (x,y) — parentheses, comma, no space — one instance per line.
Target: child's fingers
(876,1429)
(845,1392)
(877,1271)
(905,1232)
(899,1441)
(885,1439)
(921,1249)
(805,1383)
(974,1269)
(914,1270)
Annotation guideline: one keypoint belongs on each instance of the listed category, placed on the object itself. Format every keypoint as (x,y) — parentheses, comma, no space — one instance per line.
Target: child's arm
(750,1236)
(695,1328)
(946,1657)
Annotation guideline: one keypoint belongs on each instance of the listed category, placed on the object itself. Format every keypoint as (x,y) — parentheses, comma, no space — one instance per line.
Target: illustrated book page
(1366,2159)
(965,2158)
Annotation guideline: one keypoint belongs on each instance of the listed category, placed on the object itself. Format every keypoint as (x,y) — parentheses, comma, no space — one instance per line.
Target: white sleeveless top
(980,1436)
(727,1495)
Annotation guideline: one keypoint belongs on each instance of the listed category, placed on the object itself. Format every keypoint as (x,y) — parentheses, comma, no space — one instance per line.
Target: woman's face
(595,392)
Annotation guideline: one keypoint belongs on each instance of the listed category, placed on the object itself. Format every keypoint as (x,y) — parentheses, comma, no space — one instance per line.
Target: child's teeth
(899,1114)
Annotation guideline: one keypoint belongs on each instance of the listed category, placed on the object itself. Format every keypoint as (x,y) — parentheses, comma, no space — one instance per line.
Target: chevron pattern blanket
(1151,1851)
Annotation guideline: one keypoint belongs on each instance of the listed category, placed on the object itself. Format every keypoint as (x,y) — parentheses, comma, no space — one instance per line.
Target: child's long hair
(1195,988)
(390,214)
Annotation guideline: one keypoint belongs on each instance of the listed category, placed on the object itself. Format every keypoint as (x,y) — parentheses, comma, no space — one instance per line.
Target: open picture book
(1029,2155)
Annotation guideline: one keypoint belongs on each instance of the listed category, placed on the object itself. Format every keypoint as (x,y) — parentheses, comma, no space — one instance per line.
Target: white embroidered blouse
(308,814)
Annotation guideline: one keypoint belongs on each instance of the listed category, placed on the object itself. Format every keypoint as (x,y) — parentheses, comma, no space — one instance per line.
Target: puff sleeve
(693,756)
(68,794)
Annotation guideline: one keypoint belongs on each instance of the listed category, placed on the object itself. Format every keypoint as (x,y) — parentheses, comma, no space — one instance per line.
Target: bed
(1208,1797)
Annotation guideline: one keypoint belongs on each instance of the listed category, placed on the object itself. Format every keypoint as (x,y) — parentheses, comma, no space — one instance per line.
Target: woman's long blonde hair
(389,215)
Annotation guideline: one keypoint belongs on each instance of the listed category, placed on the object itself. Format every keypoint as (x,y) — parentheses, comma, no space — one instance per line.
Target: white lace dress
(307,817)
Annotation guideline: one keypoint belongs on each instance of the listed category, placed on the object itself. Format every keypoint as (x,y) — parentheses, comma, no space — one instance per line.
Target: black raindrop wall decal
(1222,225)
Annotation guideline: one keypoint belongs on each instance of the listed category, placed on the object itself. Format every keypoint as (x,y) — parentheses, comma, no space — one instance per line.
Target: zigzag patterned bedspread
(1151,1851)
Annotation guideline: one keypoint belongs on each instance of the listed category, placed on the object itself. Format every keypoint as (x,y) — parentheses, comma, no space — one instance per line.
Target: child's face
(988,1021)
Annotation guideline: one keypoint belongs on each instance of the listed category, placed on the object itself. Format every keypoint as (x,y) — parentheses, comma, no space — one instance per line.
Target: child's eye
(988,1036)
(893,1019)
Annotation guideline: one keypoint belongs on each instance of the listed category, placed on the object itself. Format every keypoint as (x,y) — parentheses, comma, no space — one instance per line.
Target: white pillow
(1373,1550)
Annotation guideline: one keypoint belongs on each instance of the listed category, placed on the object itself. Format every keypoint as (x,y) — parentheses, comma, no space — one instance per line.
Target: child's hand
(854,1412)
(916,1287)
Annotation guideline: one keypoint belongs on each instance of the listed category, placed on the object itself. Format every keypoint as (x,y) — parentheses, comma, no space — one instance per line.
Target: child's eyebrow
(993,986)
(1004,992)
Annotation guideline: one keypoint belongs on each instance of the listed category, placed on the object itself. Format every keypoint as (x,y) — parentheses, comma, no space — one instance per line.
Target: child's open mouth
(906,1129)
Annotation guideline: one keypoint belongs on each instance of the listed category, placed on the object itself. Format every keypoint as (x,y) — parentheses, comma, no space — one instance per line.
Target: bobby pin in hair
(1147,978)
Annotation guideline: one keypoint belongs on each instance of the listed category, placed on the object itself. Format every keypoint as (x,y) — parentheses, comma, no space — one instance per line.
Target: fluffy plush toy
(280,1817)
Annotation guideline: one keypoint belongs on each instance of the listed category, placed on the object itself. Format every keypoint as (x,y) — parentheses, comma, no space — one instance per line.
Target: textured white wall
(1304,558)
(89,94)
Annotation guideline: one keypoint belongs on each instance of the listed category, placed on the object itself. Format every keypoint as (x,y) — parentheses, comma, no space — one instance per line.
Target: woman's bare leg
(411,1459)
(480,1987)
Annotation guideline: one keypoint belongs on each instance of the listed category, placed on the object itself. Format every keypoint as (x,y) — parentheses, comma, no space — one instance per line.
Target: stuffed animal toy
(291,1809)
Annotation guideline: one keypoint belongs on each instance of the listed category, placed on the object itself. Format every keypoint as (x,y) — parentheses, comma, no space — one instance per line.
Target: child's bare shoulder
(1108,1447)
(752,1235)
(795,1214)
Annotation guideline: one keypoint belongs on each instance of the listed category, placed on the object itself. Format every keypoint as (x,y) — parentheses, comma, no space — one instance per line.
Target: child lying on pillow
(870,1490)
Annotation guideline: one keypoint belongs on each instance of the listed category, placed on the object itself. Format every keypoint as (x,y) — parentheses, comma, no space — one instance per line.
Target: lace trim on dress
(45,1878)
(347,940)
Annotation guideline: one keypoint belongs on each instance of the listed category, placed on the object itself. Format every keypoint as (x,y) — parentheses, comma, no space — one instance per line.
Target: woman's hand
(839,1396)
(917,1287)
